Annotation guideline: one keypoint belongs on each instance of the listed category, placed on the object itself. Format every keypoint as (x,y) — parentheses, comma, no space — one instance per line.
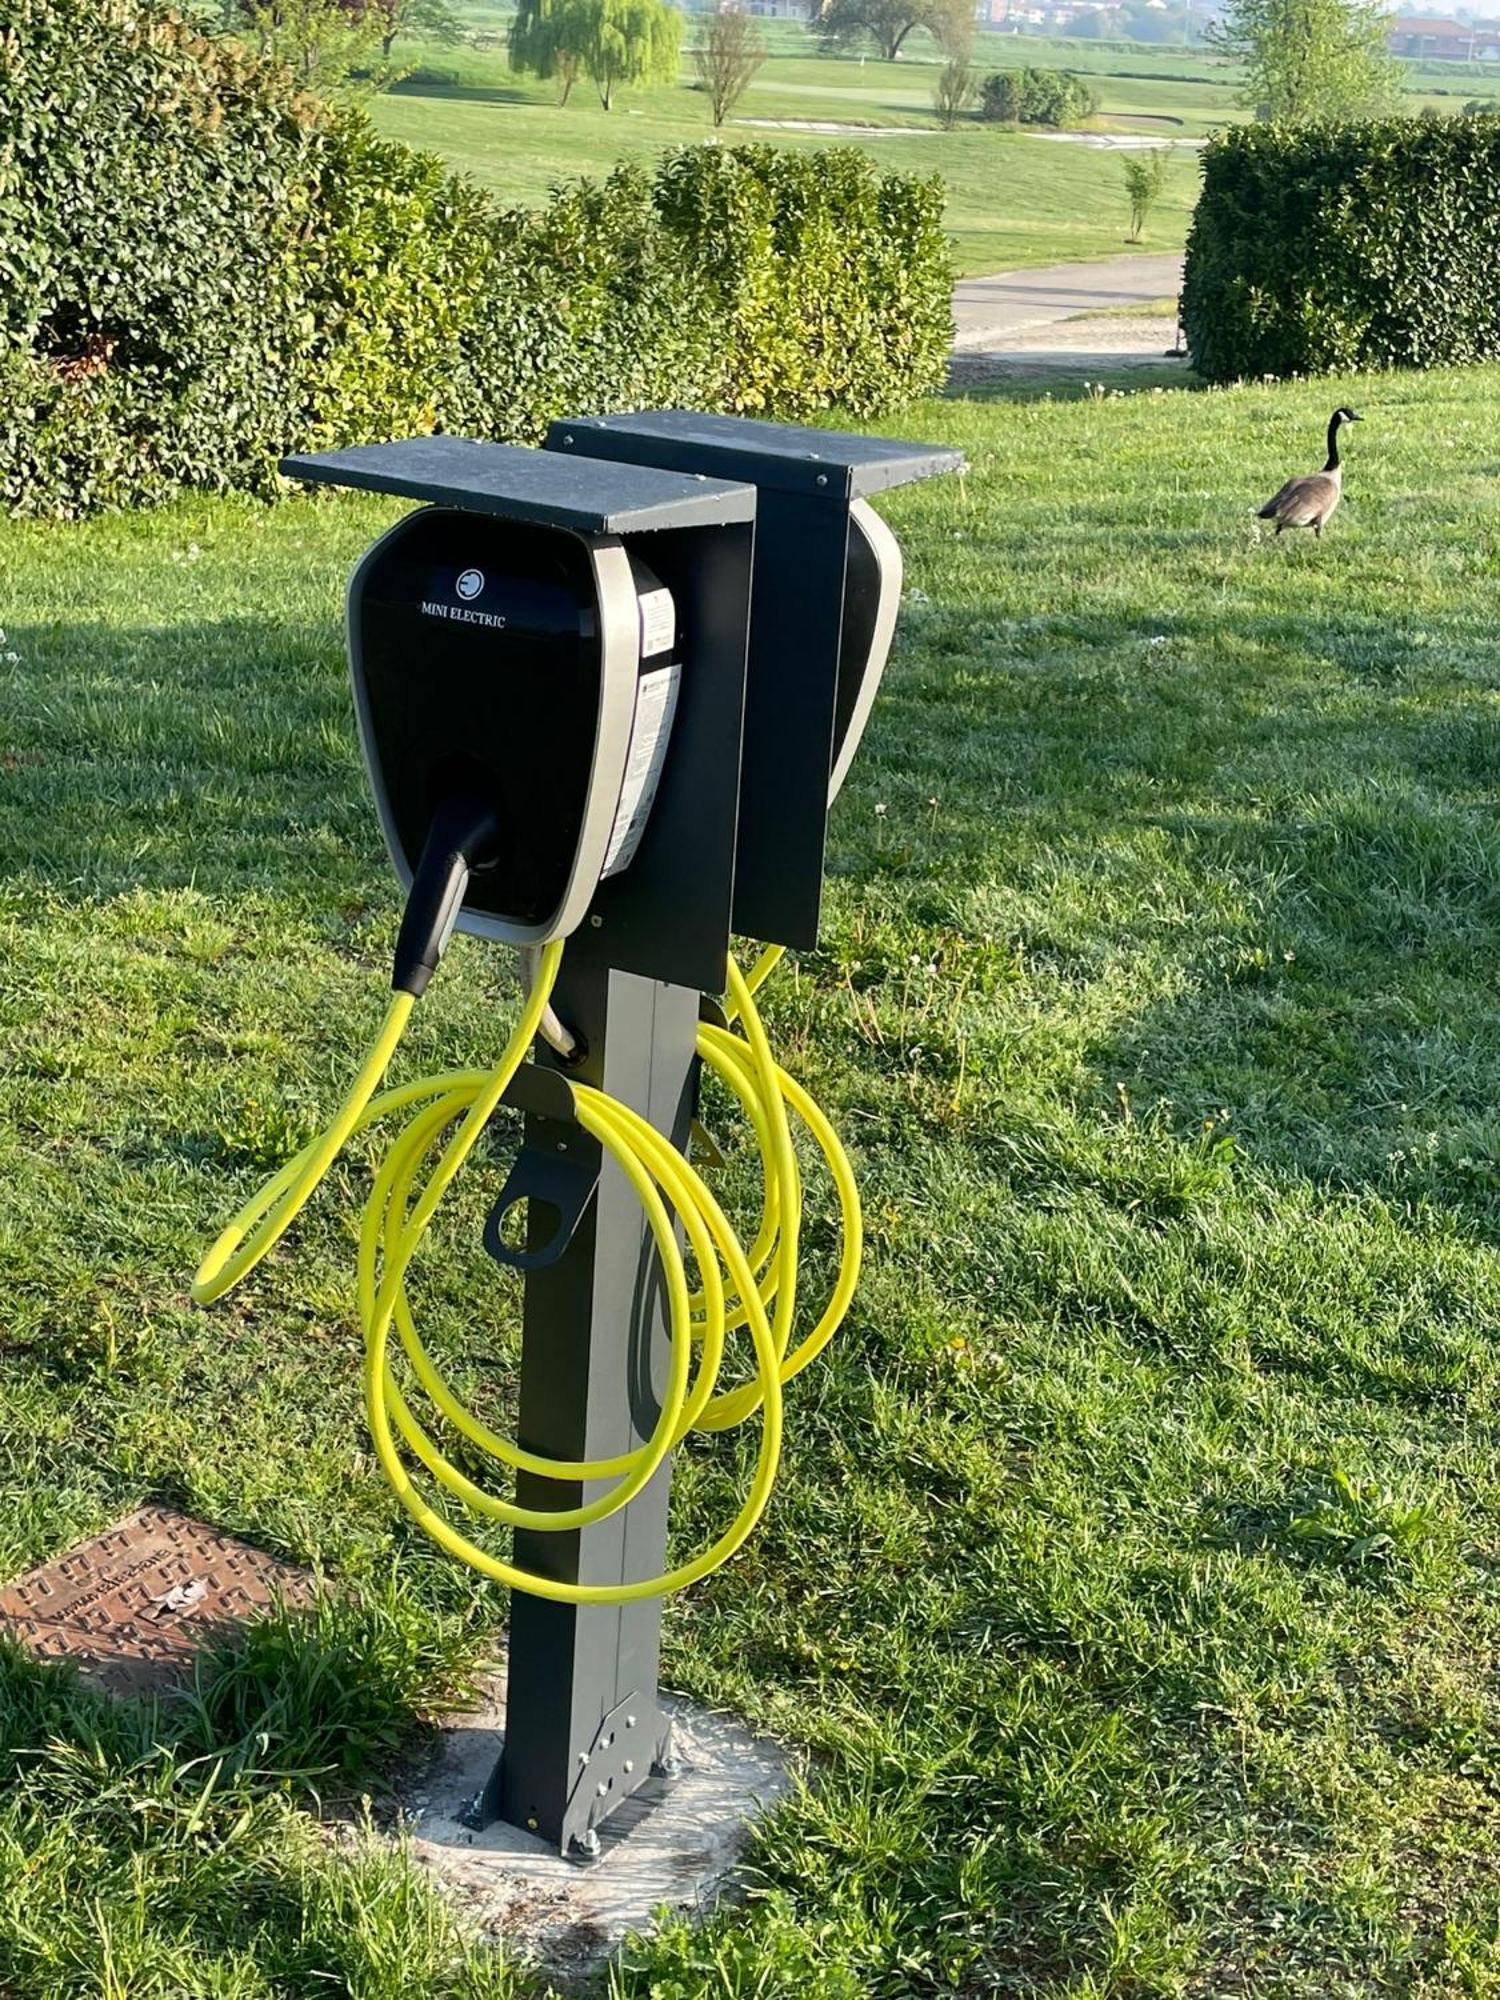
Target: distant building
(1441,40)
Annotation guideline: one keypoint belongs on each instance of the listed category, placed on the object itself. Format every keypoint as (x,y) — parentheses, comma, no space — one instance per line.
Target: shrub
(1328,247)
(201,268)
(152,188)
(830,279)
(1038,97)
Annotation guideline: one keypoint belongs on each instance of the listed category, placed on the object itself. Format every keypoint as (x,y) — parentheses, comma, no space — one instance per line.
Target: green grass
(1133,1572)
(1013,198)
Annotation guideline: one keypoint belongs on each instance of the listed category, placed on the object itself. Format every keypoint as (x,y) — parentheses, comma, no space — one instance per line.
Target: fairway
(1014,198)
(1133,1571)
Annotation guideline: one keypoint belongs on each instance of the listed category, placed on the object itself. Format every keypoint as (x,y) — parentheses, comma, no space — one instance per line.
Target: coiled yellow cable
(760,1297)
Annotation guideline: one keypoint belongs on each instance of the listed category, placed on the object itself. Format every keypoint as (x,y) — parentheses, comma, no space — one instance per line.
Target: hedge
(1326,247)
(202,267)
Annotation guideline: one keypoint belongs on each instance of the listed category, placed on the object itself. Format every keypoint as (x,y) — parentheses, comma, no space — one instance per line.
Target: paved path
(993,311)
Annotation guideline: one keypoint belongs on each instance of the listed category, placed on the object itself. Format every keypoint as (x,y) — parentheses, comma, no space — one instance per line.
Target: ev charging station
(606,692)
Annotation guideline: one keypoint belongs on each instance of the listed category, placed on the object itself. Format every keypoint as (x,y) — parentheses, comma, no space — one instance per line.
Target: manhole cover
(132,1607)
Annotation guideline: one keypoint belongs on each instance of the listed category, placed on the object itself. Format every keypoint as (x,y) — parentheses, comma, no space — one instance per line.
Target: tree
(955,90)
(325,43)
(951,25)
(957,86)
(436,19)
(887,23)
(1144,174)
(539,46)
(1307,59)
(615,42)
(727,59)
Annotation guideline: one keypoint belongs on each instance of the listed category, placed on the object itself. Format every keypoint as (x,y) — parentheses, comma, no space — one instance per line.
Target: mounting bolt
(822,479)
(583,1756)
(567,437)
(630,1722)
(596,920)
(532,1822)
(668,1767)
(601,1790)
(584,1846)
(629,1766)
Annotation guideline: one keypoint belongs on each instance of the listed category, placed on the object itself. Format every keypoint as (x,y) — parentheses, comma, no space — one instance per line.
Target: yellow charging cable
(760,1297)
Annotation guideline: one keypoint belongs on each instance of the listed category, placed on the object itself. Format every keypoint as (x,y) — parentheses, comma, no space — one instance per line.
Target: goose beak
(1355,417)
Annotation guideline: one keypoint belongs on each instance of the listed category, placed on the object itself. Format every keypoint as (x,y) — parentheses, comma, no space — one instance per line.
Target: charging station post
(549,661)
(583,1724)
(584,1728)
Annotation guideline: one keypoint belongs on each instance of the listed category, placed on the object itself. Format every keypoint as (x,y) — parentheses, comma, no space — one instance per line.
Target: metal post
(583,1726)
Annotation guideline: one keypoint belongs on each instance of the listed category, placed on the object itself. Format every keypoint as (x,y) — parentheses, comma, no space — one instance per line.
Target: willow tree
(615,42)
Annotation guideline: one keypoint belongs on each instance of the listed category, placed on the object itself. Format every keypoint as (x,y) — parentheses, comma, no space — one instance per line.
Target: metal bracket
(544,1180)
(705,1147)
(632,1743)
(549,1179)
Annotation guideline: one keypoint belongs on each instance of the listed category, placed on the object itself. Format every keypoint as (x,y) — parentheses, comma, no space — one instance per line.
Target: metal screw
(532,1822)
(629,1767)
(583,1756)
(567,437)
(630,1722)
(822,479)
(585,1844)
(596,920)
(562,1145)
(601,1789)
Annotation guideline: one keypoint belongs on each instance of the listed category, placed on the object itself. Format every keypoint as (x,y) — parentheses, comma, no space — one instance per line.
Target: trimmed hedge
(832,280)
(201,267)
(1325,247)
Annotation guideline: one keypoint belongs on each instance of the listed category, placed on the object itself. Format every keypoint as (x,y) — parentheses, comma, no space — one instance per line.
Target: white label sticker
(655,706)
(658,622)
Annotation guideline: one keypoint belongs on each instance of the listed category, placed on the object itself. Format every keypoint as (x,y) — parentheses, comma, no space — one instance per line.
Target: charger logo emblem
(470,584)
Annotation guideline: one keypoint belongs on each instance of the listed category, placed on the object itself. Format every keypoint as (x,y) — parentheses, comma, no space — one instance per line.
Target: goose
(1310,501)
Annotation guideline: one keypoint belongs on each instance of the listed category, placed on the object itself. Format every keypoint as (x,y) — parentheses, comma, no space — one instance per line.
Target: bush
(1321,248)
(1038,97)
(831,279)
(202,268)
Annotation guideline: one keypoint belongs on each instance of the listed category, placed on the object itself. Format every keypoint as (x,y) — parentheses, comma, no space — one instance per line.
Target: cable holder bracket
(553,1180)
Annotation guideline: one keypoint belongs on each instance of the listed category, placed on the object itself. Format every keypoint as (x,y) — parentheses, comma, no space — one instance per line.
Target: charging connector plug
(464,835)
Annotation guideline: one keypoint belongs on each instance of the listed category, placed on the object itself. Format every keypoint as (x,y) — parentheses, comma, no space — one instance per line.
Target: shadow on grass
(221,756)
(459,93)
(1027,378)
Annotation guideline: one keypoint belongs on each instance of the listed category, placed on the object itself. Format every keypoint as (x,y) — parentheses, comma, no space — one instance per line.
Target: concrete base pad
(676,1843)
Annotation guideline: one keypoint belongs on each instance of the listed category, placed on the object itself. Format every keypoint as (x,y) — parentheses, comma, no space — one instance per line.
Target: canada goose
(1310,501)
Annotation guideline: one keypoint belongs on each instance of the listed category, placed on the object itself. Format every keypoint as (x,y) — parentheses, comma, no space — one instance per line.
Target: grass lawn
(1134,1570)
(1013,198)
